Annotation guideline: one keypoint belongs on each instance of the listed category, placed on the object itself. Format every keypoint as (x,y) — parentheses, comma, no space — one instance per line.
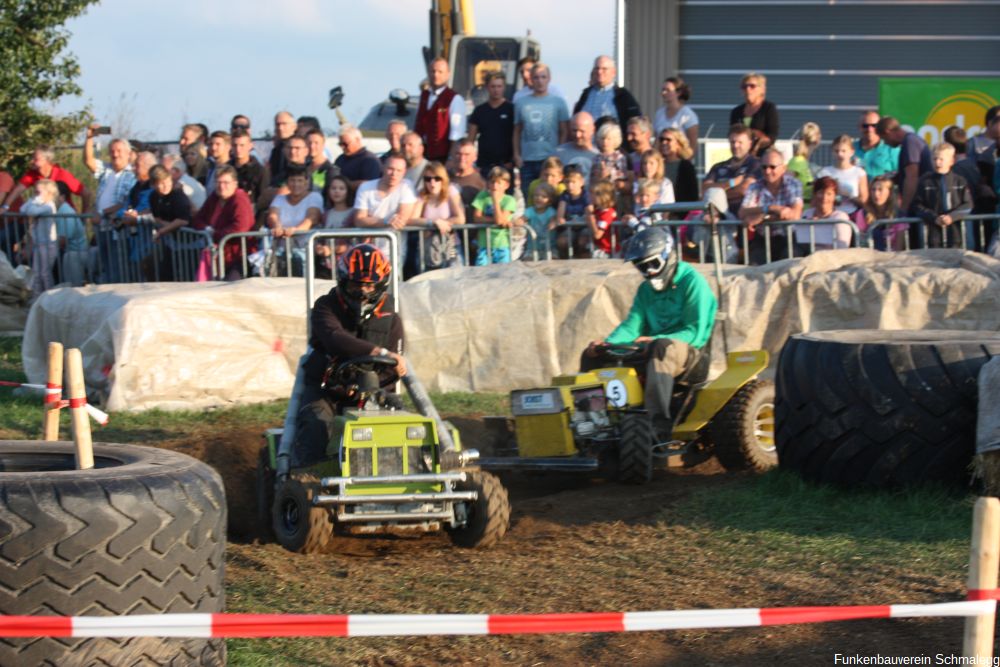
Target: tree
(36,73)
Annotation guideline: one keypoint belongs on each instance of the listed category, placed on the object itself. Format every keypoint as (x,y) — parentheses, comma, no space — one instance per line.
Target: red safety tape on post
(540,623)
(36,626)
(279,625)
(53,393)
(791,615)
(386,625)
(983,594)
(78,403)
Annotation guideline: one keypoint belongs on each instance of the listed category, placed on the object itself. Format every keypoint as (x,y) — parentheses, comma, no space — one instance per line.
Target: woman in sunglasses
(439,208)
(756,113)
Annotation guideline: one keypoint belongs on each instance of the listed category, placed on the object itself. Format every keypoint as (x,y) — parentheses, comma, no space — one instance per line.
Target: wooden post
(984,562)
(53,393)
(77,403)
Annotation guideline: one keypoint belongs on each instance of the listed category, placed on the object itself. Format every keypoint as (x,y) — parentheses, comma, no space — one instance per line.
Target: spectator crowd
(517,178)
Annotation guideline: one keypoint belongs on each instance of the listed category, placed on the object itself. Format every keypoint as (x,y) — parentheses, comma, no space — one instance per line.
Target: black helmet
(363,265)
(652,253)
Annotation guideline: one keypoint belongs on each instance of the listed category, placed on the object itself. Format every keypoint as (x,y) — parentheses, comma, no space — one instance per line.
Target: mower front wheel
(488,515)
(297,524)
(744,430)
(635,449)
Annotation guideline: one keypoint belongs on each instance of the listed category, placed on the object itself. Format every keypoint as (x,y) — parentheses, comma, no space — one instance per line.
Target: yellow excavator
(453,37)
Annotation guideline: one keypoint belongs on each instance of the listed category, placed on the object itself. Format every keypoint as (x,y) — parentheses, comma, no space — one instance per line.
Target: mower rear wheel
(264,491)
(743,431)
(635,449)
(298,525)
(488,515)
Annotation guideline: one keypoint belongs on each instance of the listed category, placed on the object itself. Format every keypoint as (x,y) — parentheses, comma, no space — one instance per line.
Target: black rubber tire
(635,449)
(489,514)
(880,408)
(743,431)
(144,532)
(298,525)
(264,494)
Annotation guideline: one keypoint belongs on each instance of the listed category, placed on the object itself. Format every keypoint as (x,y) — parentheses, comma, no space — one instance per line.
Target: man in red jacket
(440,114)
(226,211)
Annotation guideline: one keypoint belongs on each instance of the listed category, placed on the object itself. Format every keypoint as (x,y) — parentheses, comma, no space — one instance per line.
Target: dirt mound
(233,453)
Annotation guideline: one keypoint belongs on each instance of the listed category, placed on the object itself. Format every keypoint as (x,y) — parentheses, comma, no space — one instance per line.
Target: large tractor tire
(264,494)
(489,514)
(880,408)
(743,432)
(143,532)
(298,525)
(635,449)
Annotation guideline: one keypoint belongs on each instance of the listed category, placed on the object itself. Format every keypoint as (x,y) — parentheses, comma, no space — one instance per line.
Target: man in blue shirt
(603,98)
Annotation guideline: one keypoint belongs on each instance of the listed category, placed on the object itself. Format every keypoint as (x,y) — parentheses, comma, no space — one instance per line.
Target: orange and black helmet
(363,275)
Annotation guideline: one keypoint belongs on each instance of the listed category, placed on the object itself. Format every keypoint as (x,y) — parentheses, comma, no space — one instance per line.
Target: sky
(149,67)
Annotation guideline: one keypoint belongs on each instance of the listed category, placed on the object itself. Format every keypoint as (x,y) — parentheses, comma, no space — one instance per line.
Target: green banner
(929,106)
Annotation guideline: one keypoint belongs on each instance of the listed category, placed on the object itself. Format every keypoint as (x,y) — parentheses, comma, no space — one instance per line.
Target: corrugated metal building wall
(822,58)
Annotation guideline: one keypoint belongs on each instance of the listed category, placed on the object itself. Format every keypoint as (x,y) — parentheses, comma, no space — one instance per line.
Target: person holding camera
(115,179)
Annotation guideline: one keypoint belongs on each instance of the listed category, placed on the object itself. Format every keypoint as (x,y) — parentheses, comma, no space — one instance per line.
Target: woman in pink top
(439,207)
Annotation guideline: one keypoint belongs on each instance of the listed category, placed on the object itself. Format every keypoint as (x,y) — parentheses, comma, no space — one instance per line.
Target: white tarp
(480,329)
(13,297)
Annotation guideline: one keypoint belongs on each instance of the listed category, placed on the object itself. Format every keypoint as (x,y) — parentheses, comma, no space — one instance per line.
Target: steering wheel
(355,374)
(622,350)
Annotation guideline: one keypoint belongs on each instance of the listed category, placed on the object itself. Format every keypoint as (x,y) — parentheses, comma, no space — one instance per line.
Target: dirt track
(575,545)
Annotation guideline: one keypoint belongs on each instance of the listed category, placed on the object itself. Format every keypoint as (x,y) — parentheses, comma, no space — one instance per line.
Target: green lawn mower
(387,471)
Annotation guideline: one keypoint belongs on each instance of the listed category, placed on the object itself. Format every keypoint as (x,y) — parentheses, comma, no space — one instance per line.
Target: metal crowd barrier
(270,250)
(129,253)
(35,241)
(971,236)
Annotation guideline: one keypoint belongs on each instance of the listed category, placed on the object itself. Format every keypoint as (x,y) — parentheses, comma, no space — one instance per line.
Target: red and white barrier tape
(384,625)
(52,394)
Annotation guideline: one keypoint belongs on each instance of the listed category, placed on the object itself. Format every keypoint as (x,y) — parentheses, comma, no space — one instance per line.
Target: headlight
(416,432)
(361,434)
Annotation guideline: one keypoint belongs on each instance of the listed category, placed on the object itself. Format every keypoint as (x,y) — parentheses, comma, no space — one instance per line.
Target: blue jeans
(107,251)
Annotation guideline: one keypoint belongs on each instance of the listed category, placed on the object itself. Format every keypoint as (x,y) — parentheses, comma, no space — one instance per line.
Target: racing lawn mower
(595,421)
(386,470)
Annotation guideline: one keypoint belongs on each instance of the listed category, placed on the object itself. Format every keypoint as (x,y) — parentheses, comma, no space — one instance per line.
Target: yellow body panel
(544,435)
(621,384)
(741,368)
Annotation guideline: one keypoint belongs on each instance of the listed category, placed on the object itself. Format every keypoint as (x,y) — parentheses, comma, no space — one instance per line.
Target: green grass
(778,520)
(20,417)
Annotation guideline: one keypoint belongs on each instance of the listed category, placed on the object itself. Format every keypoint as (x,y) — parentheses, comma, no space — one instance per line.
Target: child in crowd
(43,244)
(340,195)
(573,207)
(799,166)
(647,193)
(611,164)
(852,182)
(72,239)
(882,206)
(943,199)
(551,173)
(493,206)
(651,166)
(606,238)
(541,218)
